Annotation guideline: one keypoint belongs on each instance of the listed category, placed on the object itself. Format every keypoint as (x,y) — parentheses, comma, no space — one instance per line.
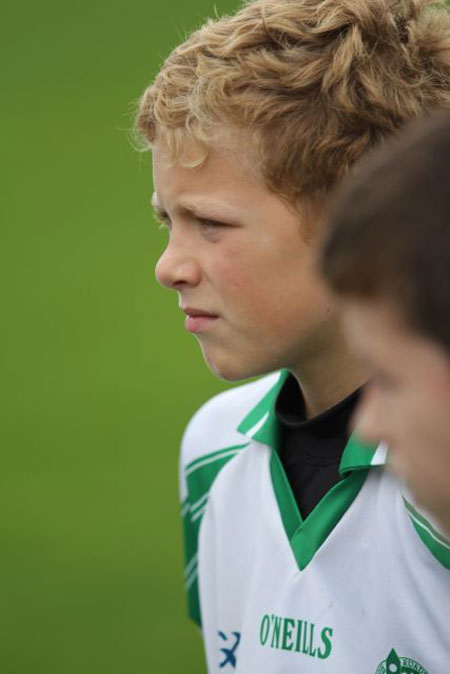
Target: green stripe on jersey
(199,474)
(437,544)
(211,458)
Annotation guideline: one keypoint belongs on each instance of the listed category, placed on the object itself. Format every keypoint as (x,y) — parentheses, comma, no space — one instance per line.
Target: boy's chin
(230,368)
(228,371)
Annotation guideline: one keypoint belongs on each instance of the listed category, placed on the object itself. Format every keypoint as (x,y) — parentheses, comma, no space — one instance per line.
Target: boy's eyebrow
(198,208)
(209,208)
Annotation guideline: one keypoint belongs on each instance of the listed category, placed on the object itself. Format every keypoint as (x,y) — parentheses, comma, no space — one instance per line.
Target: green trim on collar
(307,536)
(358,455)
(261,423)
(325,516)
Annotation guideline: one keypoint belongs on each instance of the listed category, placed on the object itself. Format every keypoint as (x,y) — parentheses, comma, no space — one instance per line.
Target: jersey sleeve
(200,464)
(210,441)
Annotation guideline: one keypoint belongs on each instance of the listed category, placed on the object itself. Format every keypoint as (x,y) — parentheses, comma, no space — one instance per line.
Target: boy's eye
(206,223)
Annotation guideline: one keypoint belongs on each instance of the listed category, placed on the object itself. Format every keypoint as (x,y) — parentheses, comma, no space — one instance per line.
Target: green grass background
(98,375)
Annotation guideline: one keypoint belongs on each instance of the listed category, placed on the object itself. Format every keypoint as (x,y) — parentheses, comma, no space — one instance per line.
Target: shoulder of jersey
(214,425)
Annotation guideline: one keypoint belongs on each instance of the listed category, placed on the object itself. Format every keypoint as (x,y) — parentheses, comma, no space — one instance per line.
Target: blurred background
(98,376)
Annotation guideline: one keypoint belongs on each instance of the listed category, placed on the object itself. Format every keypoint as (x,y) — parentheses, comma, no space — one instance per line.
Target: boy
(252,121)
(396,218)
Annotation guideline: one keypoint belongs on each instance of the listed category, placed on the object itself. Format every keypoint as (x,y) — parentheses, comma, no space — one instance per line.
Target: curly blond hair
(315,82)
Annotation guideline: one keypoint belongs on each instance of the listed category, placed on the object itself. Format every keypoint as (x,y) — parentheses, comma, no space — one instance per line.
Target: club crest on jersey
(229,650)
(397,665)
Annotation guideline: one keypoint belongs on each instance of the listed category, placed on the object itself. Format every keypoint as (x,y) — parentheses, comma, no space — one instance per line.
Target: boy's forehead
(215,175)
(235,146)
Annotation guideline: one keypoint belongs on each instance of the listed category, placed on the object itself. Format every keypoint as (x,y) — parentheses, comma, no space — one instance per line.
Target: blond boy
(252,121)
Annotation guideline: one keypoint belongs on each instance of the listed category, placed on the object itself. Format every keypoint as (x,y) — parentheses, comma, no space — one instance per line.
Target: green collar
(262,425)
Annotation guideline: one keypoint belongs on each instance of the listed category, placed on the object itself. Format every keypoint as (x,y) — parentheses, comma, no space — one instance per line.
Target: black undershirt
(311,449)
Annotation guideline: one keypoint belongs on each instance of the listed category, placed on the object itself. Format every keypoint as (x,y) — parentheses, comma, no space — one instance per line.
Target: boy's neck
(325,381)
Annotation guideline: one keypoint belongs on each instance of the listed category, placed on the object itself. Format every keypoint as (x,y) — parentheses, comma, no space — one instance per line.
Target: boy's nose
(176,268)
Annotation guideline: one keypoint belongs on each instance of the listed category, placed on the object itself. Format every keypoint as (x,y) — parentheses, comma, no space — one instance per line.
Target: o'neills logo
(396,665)
(299,636)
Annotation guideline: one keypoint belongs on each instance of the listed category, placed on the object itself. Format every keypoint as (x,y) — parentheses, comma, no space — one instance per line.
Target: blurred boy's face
(243,272)
(407,403)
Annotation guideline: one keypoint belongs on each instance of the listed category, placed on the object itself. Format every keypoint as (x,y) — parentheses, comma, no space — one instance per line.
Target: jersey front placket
(306,536)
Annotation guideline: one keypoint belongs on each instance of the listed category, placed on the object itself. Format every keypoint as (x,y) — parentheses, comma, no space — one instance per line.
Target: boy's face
(407,403)
(243,272)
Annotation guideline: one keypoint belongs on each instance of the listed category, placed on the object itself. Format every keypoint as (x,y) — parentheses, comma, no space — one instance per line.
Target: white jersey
(362,585)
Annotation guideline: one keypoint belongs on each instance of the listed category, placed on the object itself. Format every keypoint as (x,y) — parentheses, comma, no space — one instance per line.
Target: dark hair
(389,229)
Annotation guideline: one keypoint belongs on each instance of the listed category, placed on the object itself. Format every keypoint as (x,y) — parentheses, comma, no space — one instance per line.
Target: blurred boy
(295,536)
(396,304)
